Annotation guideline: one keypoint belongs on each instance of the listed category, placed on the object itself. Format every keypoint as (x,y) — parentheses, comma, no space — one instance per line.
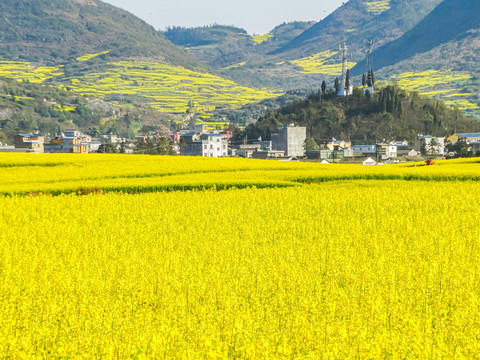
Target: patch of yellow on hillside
(321,63)
(164,87)
(280,63)
(350,30)
(25,71)
(258,39)
(65,108)
(234,66)
(167,88)
(462,104)
(91,56)
(428,79)
(427,83)
(459,94)
(438,92)
(378,7)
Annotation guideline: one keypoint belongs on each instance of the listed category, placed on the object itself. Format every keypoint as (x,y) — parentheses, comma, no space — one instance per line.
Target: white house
(364,149)
(214,145)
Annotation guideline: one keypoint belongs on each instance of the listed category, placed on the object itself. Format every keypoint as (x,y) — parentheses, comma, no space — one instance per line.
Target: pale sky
(255,16)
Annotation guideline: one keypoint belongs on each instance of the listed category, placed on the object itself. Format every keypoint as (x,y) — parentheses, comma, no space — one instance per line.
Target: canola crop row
(69,173)
(340,270)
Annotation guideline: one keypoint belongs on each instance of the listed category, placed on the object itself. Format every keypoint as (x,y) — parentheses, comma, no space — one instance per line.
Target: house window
(218,140)
(205,147)
(218,149)
(211,147)
(224,146)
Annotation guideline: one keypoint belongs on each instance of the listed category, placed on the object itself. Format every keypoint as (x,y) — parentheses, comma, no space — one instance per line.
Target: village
(287,144)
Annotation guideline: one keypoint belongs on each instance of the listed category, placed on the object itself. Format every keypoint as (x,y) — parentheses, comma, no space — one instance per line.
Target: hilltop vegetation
(391,114)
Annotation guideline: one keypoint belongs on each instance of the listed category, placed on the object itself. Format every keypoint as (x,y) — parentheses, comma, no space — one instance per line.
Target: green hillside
(302,59)
(101,52)
(222,47)
(391,114)
(356,21)
(58,31)
(438,56)
(30,107)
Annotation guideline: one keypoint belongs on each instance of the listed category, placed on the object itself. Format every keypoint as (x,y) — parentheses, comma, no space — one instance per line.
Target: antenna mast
(343,91)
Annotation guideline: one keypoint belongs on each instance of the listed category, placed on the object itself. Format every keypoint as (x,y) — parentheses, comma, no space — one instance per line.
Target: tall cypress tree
(347,82)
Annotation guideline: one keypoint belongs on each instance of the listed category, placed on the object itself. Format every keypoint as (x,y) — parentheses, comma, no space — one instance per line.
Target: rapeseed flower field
(321,63)
(428,82)
(378,7)
(259,39)
(253,259)
(163,87)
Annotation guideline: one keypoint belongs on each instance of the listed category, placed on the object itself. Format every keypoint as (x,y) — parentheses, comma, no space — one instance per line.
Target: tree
(163,146)
(107,148)
(337,85)
(462,149)
(347,82)
(310,144)
(324,87)
(122,149)
(364,80)
(182,144)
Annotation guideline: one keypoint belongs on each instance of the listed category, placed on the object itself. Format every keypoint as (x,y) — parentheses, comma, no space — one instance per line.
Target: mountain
(356,21)
(451,23)
(302,59)
(438,56)
(108,56)
(222,46)
(58,31)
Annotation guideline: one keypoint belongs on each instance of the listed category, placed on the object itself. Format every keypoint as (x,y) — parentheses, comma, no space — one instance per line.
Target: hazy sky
(255,16)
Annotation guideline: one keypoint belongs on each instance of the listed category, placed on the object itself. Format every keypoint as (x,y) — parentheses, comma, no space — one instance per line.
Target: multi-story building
(29,141)
(430,145)
(466,137)
(72,141)
(214,145)
(291,140)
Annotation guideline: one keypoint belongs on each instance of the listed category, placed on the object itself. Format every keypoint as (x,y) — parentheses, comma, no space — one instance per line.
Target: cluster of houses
(287,143)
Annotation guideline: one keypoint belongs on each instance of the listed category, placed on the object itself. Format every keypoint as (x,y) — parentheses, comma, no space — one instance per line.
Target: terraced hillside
(164,87)
(101,52)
